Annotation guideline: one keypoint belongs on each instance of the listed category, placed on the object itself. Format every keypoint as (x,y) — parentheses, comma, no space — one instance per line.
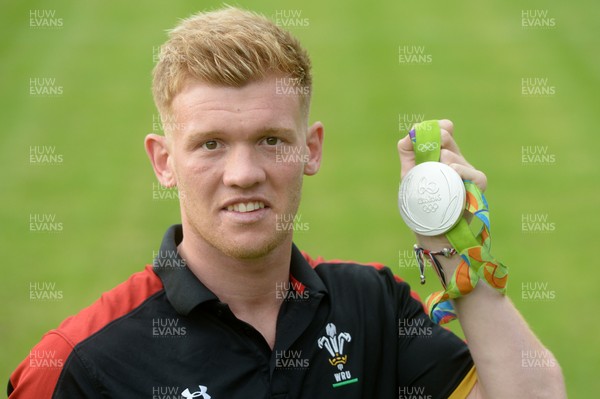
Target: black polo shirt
(344,331)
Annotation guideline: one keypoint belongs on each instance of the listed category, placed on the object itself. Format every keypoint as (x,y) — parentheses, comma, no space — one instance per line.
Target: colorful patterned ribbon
(476,260)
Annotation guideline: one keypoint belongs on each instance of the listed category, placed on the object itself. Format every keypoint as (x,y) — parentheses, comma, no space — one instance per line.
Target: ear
(158,151)
(314,142)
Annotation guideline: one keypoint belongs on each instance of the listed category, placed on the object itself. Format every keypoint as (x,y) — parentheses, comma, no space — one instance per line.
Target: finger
(448,141)
(407,155)
(470,173)
(447,125)
(448,157)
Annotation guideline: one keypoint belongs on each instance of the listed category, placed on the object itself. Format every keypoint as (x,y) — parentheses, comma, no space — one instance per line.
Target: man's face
(238,158)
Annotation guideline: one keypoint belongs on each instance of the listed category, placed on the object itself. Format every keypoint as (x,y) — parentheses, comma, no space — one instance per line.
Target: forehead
(258,104)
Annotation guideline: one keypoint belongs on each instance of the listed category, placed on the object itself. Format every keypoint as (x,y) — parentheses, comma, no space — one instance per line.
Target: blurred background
(82,209)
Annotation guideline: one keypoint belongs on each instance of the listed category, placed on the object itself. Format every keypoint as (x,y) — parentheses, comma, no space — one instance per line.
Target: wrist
(433,243)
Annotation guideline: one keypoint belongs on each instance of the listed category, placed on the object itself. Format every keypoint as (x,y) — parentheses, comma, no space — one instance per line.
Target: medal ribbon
(476,260)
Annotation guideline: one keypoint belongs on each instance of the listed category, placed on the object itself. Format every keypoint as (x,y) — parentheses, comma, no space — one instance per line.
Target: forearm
(511,362)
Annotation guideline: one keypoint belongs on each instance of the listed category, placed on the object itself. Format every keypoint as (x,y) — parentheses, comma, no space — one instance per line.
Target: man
(231,308)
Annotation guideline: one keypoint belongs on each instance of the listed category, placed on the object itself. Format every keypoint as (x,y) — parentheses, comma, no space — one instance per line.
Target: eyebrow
(195,137)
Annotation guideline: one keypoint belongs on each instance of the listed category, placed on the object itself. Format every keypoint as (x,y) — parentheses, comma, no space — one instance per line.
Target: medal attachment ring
(432,198)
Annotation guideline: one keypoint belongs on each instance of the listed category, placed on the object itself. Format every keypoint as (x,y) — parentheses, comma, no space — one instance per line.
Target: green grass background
(102,192)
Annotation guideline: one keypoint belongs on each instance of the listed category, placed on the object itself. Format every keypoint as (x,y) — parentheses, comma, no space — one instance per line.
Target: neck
(246,285)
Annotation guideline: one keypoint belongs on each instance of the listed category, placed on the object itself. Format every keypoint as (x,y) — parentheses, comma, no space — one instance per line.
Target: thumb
(406,154)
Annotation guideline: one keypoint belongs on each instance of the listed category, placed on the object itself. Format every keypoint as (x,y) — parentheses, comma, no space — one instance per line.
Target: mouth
(246,211)
(245,207)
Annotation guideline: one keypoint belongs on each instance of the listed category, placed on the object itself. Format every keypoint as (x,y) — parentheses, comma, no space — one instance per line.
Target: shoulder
(363,275)
(38,374)
(111,305)
(333,264)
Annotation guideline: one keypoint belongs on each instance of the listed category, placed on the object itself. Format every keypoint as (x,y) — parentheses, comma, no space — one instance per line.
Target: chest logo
(198,394)
(334,342)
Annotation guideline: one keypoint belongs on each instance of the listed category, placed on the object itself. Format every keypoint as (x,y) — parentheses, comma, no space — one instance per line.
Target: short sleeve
(432,361)
(51,370)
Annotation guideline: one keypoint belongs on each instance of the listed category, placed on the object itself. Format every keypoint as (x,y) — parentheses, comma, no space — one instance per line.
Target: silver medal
(431,198)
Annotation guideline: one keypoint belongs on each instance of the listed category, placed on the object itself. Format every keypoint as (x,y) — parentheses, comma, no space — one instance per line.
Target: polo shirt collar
(183,289)
(185,292)
(303,273)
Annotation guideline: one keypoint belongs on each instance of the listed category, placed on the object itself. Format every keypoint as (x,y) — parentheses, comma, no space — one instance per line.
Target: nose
(243,167)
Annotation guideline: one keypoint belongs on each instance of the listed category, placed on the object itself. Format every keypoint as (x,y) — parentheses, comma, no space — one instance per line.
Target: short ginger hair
(229,47)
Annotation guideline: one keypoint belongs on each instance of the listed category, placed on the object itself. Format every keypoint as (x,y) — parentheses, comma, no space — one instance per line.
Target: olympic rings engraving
(429,146)
(431,207)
